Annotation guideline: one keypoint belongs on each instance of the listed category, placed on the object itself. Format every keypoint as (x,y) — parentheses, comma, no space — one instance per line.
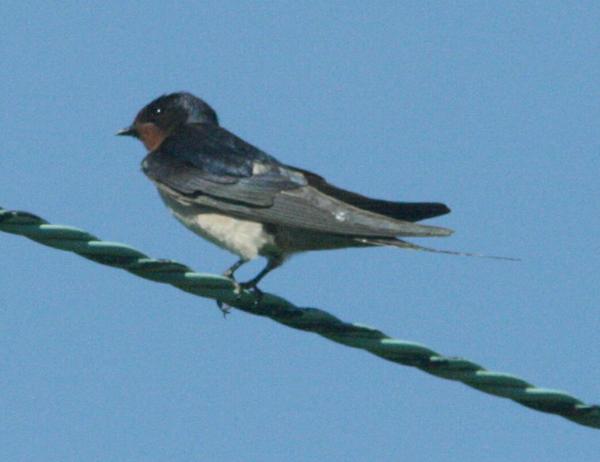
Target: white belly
(241,237)
(244,238)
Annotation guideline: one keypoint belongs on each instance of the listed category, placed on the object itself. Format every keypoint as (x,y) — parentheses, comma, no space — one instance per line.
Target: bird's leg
(233,268)
(251,285)
(272,263)
(229,273)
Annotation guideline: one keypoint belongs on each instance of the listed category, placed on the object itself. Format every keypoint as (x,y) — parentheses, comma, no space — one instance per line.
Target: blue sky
(491,107)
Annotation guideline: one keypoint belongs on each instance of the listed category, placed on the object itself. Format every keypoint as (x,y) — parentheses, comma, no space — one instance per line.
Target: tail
(408,229)
(409,245)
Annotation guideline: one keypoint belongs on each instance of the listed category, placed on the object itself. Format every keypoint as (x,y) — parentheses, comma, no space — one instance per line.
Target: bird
(246,201)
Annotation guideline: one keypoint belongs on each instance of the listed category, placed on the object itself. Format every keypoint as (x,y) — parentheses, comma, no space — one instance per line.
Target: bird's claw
(224,307)
(238,288)
(251,287)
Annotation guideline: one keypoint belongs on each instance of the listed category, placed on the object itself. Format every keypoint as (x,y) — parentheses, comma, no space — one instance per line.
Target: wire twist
(308,319)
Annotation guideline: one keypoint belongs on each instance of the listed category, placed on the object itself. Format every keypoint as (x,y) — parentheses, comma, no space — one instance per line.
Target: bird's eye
(158,110)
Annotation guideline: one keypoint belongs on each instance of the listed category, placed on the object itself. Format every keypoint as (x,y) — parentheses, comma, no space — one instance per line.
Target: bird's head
(161,117)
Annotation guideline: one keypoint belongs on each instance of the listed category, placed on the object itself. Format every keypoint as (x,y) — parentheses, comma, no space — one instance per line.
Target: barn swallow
(246,201)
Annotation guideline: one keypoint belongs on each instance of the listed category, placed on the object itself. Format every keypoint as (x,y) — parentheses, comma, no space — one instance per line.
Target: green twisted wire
(308,319)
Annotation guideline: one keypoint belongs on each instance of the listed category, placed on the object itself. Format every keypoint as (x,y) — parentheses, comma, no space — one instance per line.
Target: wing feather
(190,170)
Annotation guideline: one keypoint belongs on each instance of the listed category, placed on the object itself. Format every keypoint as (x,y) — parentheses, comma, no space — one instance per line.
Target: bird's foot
(251,286)
(238,287)
(224,307)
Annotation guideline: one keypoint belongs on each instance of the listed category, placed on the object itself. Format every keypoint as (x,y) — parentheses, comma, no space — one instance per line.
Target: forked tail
(409,245)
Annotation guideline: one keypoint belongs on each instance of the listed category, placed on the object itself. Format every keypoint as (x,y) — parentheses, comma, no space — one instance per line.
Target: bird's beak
(127,131)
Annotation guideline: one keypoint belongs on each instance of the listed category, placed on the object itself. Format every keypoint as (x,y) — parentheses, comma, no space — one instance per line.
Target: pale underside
(249,239)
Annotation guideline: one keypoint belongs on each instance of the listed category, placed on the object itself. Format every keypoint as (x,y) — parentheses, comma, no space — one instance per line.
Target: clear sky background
(490,107)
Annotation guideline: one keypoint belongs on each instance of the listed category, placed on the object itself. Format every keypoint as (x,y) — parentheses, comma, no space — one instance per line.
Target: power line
(308,319)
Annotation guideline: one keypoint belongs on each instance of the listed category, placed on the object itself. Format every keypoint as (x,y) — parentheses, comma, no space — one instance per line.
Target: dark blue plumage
(248,202)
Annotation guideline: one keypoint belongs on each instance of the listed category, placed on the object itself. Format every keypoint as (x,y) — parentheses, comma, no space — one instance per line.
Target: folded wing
(408,211)
(283,196)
